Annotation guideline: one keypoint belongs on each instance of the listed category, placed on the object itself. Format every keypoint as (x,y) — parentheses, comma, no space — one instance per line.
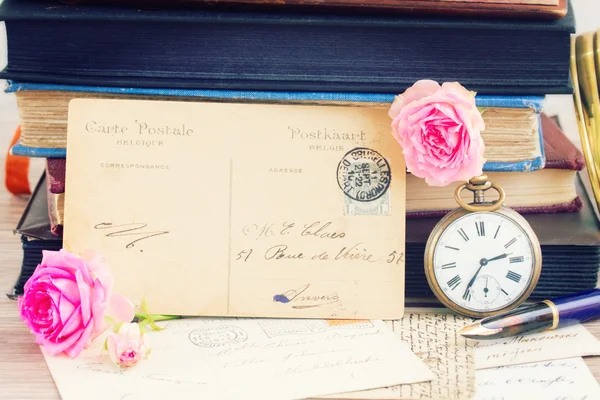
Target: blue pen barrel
(548,314)
(580,307)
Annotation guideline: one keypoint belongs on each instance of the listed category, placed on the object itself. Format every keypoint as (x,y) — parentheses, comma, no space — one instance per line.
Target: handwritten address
(321,230)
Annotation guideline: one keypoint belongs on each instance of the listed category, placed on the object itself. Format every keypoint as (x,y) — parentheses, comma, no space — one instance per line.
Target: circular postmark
(217,336)
(364,174)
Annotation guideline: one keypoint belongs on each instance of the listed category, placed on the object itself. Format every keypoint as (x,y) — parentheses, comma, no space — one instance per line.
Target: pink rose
(439,128)
(65,301)
(127,347)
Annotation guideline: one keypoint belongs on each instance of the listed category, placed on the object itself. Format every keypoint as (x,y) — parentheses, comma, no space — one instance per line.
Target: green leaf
(145,318)
(116,327)
(144,307)
(481,109)
(154,326)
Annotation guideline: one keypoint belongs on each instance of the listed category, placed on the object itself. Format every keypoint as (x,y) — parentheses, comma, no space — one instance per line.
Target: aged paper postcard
(570,341)
(565,379)
(435,340)
(229,209)
(231,359)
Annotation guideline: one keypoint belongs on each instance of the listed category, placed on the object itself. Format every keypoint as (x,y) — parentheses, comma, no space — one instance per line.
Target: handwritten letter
(571,341)
(231,359)
(434,338)
(565,379)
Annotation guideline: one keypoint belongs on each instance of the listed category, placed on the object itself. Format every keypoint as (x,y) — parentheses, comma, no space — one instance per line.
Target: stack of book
(196,51)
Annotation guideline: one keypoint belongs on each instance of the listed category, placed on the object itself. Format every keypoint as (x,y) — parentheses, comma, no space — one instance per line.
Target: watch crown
(478,180)
(479,183)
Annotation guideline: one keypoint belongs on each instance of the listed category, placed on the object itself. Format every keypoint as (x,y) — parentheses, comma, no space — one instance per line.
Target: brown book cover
(55,171)
(538,9)
(560,152)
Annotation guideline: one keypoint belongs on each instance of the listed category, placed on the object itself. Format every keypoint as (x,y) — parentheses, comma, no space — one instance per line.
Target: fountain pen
(545,315)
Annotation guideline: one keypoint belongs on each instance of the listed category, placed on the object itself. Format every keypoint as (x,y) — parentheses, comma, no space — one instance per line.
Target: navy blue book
(36,235)
(214,49)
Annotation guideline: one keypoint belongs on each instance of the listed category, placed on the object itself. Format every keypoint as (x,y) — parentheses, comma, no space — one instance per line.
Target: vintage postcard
(227,209)
(570,341)
(231,359)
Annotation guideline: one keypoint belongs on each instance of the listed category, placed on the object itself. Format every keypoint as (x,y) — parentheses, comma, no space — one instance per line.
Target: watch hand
(482,262)
(485,289)
(497,257)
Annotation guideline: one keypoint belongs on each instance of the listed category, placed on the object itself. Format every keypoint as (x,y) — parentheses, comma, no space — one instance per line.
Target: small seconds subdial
(479,251)
(486,289)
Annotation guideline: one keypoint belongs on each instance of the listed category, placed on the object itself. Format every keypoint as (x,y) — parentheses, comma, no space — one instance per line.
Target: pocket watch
(482,258)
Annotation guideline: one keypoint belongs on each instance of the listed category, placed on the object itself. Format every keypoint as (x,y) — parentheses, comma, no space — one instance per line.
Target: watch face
(484,261)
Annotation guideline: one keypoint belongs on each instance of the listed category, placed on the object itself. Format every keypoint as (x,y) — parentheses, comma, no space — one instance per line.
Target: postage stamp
(217,336)
(381,206)
(365,176)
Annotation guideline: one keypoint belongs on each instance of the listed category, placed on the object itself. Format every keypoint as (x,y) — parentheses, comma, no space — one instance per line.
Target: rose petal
(129,332)
(51,259)
(65,309)
(99,306)
(68,288)
(73,324)
(79,345)
(54,348)
(120,308)
(111,343)
(421,89)
(77,264)
(47,272)
(85,294)
(457,89)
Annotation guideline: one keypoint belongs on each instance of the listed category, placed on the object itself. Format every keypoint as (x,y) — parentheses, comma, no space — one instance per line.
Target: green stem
(156,317)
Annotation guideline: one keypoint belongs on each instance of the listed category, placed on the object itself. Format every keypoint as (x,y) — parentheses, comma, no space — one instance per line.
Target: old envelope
(236,209)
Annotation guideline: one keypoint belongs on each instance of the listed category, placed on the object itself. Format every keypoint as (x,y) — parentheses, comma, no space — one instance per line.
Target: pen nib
(477,331)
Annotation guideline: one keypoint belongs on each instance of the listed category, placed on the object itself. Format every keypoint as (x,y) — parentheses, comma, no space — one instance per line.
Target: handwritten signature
(306,301)
(133,229)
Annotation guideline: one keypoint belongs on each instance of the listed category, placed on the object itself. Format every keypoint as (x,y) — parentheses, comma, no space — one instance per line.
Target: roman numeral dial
(480,225)
(510,243)
(454,282)
(482,261)
(513,276)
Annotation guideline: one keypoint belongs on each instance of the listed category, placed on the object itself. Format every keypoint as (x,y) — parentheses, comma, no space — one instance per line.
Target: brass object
(555,314)
(588,84)
(478,330)
(584,66)
(480,205)
(478,186)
